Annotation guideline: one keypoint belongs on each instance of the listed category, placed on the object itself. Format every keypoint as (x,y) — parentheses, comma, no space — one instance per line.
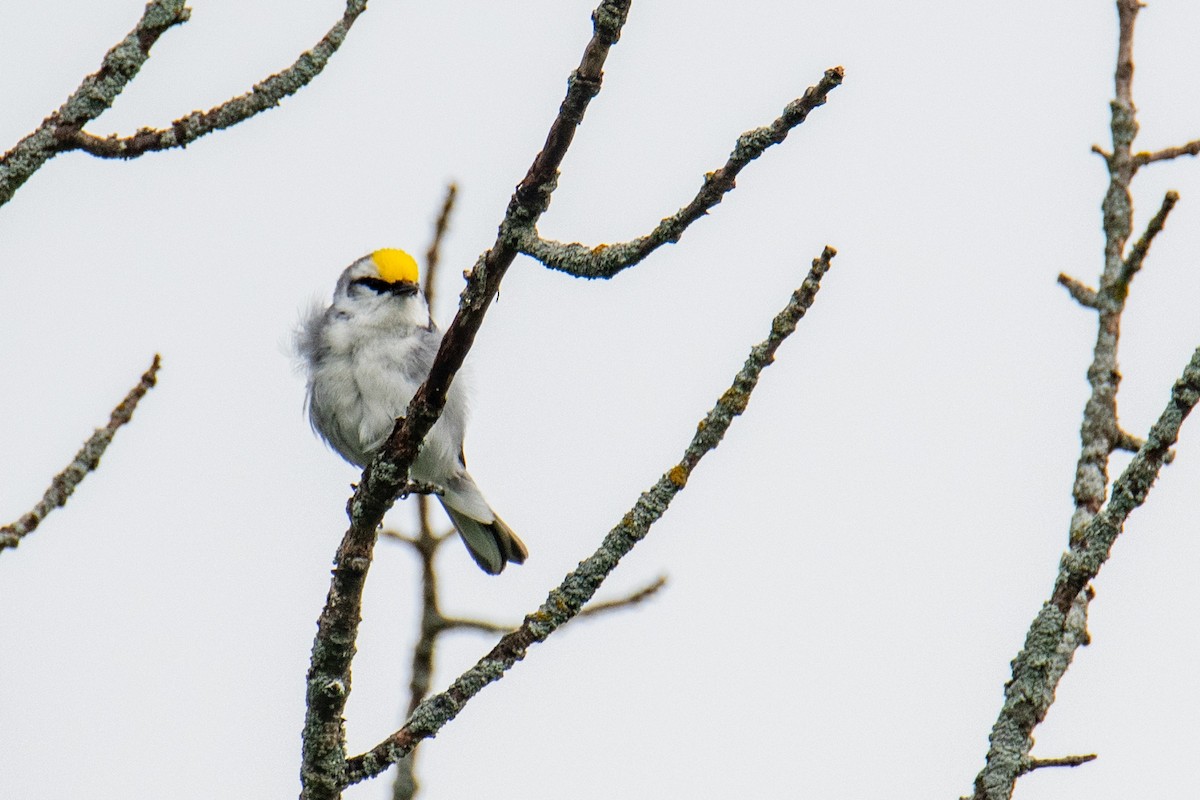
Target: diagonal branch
(1137,254)
(323,767)
(1061,626)
(607,260)
(85,461)
(261,97)
(568,599)
(93,97)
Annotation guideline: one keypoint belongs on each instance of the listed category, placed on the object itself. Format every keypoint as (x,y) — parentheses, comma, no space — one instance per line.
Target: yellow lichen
(678,476)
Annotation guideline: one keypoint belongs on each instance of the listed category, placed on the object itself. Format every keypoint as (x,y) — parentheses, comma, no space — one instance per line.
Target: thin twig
(631,599)
(1166,154)
(607,260)
(433,255)
(1083,294)
(591,610)
(324,770)
(1137,253)
(1129,443)
(566,601)
(85,461)
(1064,761)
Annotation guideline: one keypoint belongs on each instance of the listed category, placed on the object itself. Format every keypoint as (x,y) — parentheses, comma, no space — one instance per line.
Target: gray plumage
(366,355)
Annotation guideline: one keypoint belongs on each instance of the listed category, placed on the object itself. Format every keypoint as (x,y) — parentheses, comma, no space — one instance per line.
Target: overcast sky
(850,573)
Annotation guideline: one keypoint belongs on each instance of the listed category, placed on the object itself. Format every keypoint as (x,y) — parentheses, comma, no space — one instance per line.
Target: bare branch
(1061,626)
(93,97)
(63,130)
(566,601)
(1137,254)
(323,767)
(1166,154)
(1064,761)
(433,255)
(261,97)
(86,460)
(607,260)
(1099,424)
(1083,294)
(631,599)
(591,610)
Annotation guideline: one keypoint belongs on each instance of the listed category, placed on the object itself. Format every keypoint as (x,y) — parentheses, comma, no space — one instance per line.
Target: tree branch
(591,610)
(261,97)
(433,255)
(1064,761)
(93,97)
(85,461)
(1166,154)
(607,260)
(566,601)
(1083,294)
(323,768)
(1099,426)
(1137,254)
(63,130)
(1061,626)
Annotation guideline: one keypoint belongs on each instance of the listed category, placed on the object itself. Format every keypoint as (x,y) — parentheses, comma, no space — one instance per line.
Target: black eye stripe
(380,286)
(377,284)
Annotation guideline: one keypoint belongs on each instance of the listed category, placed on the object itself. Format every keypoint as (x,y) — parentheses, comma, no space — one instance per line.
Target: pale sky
(850,573)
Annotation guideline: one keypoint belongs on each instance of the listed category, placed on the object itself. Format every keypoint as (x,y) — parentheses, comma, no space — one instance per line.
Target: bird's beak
(403,288)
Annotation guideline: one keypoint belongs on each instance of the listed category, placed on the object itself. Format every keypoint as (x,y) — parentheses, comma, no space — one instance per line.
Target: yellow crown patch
(395,265)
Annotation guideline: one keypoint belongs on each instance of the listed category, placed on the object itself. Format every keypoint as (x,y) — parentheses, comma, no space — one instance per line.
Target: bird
(365,356)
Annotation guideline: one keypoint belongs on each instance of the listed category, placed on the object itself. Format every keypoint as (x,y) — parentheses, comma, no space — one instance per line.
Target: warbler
(365,356)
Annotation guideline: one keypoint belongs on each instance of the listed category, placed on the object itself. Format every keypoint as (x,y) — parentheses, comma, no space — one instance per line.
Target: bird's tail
(492,544)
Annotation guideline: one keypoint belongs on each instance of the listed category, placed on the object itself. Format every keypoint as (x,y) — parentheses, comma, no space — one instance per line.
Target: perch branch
(607,260)
(323,768)
(569,598)
(85,461)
